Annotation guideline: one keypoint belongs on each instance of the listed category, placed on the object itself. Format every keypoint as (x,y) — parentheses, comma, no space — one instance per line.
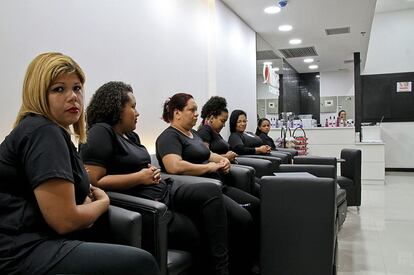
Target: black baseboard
(399,169)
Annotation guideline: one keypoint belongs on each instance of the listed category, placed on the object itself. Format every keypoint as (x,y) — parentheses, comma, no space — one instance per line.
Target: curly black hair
(107,103)
(214,107)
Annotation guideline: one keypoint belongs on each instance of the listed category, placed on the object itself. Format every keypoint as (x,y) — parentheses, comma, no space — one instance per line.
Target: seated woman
(247,143)
(262,131)
(116,160)
(181,151)
(45,193)
(215,114)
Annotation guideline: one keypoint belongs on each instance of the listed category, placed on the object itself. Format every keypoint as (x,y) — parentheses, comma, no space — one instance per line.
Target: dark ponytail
(176,102)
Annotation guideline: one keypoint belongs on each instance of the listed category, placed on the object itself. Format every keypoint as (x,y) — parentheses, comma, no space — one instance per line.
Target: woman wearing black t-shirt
(215,114)
(181,151)
(241,141)
(116,160)
(44,189)
(247,143)
(262,131)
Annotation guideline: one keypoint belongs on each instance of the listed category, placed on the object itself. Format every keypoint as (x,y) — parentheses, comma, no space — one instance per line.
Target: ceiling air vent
(336,31)
(298,52)
(266,55)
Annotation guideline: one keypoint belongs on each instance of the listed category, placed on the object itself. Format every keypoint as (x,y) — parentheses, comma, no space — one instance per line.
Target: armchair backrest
(351,168)
(297,225)
(315,160)
(323,171)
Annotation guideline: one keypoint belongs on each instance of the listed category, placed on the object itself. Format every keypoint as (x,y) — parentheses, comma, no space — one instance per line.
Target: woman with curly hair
(46,200)
(117,160)
(215,114)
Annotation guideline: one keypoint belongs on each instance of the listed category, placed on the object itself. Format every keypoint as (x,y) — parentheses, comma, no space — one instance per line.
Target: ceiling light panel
(295,41)
(285,28)
(272,10)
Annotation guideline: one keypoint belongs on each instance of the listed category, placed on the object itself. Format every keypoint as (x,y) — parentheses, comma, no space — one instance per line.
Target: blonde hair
(40,75)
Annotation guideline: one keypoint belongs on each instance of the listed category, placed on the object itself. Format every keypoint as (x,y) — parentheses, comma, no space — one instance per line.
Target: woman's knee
(237,214)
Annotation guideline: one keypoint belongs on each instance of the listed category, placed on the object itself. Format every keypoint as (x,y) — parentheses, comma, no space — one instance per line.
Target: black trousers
(243,210)
(106,259)
(203,203)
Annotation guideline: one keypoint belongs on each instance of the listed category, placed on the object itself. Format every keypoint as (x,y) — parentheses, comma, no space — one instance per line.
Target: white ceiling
(309,19)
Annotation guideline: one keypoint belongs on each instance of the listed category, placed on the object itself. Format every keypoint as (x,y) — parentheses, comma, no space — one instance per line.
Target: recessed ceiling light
(285,28)
(313,67)
(272,10)
(308,60)
(295,41)
(318,76)
(267,63)
(275,69)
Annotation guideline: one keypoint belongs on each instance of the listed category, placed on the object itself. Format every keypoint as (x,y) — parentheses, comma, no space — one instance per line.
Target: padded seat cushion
(345,182)
(178,261)
(340,196)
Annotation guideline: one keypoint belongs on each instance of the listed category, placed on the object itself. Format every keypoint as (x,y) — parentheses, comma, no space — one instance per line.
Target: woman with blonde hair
(45,195)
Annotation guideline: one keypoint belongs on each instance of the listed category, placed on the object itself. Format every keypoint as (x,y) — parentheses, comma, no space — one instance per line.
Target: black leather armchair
(155,219)
(117,226)
(298,231)
(323,171)
(350,178)
(341,194)
(262,167)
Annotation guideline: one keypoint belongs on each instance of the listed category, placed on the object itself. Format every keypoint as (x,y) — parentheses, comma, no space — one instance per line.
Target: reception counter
(330,141)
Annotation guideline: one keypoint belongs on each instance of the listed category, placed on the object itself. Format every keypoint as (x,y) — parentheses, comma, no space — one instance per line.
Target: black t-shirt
(267,140)
(172,141)
(120,155)
(217,143)
(35,151)
(244,144)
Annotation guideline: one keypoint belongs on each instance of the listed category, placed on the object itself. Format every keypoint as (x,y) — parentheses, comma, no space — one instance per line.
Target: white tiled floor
(380,238)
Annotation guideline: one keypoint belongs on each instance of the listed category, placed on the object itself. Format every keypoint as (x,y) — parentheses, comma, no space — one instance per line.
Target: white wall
(339,83)
(158,46)
(236,64)
(390,50)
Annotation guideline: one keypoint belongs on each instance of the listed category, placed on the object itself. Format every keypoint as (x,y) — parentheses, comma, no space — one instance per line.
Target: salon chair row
(300,216)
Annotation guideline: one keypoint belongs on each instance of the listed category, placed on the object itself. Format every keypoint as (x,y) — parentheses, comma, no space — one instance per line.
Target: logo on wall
(270,75)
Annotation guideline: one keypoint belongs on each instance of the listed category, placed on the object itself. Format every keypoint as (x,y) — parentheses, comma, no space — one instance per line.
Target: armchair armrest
(285,157)
(315,160)
(155,218)
(275,160)
(297,230)
(293,152)
(190,179)
(323,171)
(117,226)
(242,177)
(263,167)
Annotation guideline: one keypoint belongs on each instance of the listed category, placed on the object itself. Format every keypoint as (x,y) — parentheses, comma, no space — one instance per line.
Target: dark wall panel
(380,98)
(291,94)
(310,95)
